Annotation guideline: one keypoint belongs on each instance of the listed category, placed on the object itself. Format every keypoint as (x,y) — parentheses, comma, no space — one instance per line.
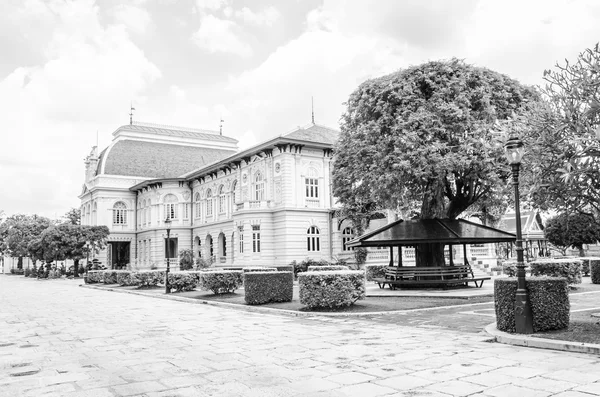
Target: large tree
(422,140)
(572,230)
(564,143)
(17,231)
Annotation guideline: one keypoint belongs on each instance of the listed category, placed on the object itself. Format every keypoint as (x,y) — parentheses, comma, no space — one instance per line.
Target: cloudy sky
(69,69)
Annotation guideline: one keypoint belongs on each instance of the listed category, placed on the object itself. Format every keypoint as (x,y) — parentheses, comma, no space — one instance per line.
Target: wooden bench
(445,275)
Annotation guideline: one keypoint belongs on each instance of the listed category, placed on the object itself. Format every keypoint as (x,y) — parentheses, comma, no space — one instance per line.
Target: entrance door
(119,255)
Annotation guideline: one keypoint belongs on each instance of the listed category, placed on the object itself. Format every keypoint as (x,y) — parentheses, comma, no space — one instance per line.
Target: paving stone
(365,389)
(591,388)
(130,389)
(404,382)
(546,384)
(514,391)
(350,378)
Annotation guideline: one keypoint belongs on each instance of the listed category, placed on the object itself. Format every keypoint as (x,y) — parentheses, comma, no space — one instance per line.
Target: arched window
(143,211)
(89,214)
(313,242)
(198,205)
(170,206)
(347,235)
(119,213)
(221,199)
(148,212)
(233,187)
(209,203)
(311,183)
(259,187)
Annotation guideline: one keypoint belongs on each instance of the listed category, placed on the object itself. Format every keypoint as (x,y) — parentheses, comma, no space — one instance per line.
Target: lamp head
(168,223)
(514,150)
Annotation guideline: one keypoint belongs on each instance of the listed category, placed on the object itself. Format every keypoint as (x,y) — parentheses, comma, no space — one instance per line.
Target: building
(266,205)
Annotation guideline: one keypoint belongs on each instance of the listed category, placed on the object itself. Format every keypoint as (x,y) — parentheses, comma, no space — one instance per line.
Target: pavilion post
(399,256)
(391,256)
(465,260)
(450,252)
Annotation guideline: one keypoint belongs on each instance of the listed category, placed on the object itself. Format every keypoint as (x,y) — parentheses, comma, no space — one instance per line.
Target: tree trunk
(76,268)
(581,250)
(20,262)
(432,254)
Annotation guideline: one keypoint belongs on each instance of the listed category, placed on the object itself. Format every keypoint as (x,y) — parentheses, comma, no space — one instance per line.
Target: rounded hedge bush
(269,286)
(149,278)
(331,289)
(327,268)
(548,297)
(595,272)
(220,281)
(586,264)
(182,281)
(567,268)
(110,277)
(375,271)
(259,269)
(95,276)
(126,278)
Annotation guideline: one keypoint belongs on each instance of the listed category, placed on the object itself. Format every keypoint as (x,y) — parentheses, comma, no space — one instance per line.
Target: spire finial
(131,109)
(221,127)
(312,105)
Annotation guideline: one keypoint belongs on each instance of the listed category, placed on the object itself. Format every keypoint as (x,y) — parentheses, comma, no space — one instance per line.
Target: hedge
(149,278)
(567,268)
(331,289)
(510,268)
(183,281)
(259,269)
(548,297)
(269,286)
(595,272)
(126,278)
(220,281)
(110,276)
(375,271)
(95,276)
(327,268)
(586,264)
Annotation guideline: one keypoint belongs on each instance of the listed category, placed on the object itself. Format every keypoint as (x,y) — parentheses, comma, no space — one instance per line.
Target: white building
(266,205)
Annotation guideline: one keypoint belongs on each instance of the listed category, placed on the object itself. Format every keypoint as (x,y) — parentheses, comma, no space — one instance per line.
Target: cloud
(265,17)
(220,36)
(137,20)
(210,5)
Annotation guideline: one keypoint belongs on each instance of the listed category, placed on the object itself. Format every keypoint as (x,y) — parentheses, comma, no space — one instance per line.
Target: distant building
(266,205)
(532,230)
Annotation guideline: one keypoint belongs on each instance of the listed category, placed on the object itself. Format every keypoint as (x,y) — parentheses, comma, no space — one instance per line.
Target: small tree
(572,230)
(186,259)
(17,231)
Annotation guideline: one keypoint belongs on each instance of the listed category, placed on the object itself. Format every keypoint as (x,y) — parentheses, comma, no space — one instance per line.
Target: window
(186,211)
(233,187)
(312,239)
(119,213)
(221,199)
(259,187)
(170,206)
(347,235)
(209,203)
(198,205)
(241,239)
(255,238)
(312,184)
(149,212)
(143,211)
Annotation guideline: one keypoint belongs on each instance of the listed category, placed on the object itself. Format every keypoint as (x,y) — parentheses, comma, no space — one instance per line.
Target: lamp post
(523,317)
(87,256)
(168,226)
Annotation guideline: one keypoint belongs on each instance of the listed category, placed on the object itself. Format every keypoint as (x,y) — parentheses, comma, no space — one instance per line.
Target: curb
(595,315)
(270,310)
(541,343)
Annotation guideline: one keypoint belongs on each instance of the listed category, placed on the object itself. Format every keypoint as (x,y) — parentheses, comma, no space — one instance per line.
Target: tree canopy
(572,230)
(422,140)
(18,231)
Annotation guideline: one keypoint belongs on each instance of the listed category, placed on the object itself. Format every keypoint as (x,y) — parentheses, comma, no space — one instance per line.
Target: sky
(70,69)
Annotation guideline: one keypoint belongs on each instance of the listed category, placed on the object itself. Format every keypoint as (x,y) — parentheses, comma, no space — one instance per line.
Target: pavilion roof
(447,231)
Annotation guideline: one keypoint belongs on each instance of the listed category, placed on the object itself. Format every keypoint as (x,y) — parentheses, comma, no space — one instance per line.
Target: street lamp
(523,318)
(168,226)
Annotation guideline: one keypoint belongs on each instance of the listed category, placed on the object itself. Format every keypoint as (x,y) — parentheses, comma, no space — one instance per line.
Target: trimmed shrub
(17,271)
(95,276)
(375,271)
(510,268)
(110,276)
(220,281)
(567,268)
(126,278)
(269,286)
(149,278)
(548,297)
(331,289)
(595,272)
(303,266)
(327,268)
(259,269)
(183,281)
(586,264)
(284,268)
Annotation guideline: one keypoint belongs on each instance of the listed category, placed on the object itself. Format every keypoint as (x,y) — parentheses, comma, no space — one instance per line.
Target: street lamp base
(523,316)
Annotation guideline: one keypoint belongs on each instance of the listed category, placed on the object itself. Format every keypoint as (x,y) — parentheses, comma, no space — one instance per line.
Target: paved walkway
(57,339)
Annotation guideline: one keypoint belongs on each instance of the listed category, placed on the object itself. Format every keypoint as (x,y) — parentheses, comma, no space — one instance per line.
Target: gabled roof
(532,227)
(314,133)
(154,159)
(446,231)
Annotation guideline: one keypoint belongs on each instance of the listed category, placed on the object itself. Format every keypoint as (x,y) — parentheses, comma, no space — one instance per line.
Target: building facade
(263,206)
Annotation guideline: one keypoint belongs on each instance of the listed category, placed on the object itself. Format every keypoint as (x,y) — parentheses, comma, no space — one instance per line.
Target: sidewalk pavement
(57,339)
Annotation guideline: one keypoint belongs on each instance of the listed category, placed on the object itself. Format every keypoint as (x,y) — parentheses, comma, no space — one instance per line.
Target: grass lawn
(582,328)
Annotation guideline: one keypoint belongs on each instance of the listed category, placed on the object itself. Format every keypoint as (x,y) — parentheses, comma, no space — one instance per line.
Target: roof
(447,231)
(532,227)
(314,133)
(155,160)
(183,132)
